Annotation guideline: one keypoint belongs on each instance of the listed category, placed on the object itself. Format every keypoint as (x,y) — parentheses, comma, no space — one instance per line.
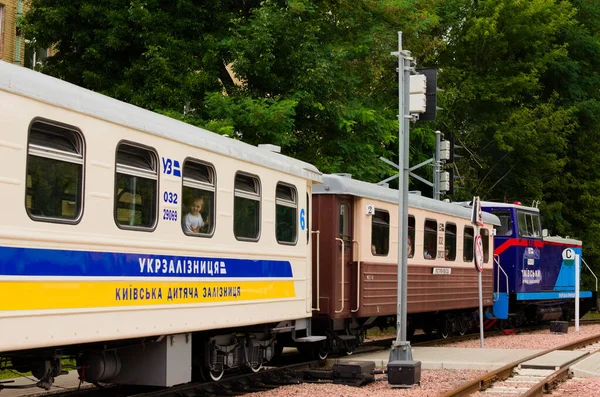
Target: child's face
(197,206)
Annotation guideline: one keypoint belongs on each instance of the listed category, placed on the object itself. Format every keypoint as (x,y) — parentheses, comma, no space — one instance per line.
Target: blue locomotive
(532,281)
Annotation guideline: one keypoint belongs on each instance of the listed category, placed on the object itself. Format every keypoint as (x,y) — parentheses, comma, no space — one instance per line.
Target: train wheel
(255,367)
(323,353)
(463,325)
(214,375)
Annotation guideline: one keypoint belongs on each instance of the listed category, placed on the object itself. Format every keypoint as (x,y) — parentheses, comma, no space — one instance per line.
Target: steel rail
(483,382)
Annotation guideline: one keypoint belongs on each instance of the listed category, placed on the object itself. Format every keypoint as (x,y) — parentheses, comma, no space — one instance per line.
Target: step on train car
(140,248)
(355,265)
(533,279)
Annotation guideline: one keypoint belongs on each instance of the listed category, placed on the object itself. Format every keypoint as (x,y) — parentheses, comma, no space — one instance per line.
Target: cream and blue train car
(148,249)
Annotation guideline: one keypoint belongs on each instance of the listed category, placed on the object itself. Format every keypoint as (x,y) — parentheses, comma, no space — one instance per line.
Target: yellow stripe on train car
(44,295)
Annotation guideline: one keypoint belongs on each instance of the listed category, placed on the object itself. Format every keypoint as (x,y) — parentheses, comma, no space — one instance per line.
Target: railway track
(530,380)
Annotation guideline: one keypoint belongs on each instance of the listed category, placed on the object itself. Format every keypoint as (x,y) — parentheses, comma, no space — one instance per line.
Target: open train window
(198,199)
(410,249)
(380,233)
(506,223)
(450,242)
(55,159)
(286,213)
(430,239)
(246,207)
(485,239)
(468,244)
(529,224)
(136,187)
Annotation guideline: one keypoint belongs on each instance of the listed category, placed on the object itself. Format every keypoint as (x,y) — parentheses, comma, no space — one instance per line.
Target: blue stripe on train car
(50,262)
(526,296)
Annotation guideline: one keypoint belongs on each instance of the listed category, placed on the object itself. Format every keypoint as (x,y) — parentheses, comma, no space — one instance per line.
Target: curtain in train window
(468,244)
(485,239)
(136,187)
(430,239)
(198,198)
(506,223)
(450,242)
(410,248)
(54,173)
(286,213)
(246,207)
(380,233)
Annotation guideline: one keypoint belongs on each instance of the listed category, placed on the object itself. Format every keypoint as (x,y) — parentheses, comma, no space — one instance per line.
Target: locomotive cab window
(529,224)
(450,242)
(54,191)
(380,233)
(506,224)
(136,187)
(286,213)
(430,239)
(410,247)
(468,244)
(246,207)
(198,201)
(485,239)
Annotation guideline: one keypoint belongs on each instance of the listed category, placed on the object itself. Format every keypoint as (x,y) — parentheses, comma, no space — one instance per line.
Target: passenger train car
(533,282)
(355,265)
(151,250)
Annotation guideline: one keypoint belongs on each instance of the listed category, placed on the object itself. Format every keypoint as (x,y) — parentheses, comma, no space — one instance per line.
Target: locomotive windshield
(529,224)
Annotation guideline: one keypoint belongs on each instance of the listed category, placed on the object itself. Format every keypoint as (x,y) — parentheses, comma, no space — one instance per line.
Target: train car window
(380,233)
(506,223)
(485,239)
(450,242)
(286,213)
(410,252)
(198,199)
(430,239)
(55,160)
(468,244)
(136,187)
(246,207)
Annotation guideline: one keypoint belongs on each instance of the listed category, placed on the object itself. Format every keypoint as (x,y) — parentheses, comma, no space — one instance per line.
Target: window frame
(472,245)
(212,169)
(2,23)
(82,143)
(455,240)
(294,191)
(260,206)
(434,255)
(157,198)
(388,231)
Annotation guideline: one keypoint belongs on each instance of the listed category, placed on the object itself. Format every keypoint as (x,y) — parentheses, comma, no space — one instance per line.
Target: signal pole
(401,349)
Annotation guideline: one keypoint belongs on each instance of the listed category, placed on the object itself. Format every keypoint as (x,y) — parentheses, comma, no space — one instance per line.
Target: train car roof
(44,88)
(338,184)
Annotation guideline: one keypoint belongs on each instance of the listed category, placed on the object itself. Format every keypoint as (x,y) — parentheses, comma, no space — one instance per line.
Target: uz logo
(171,167)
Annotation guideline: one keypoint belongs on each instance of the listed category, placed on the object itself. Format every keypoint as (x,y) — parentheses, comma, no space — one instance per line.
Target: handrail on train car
(497,260)
(586,265)
(343,249)
(318,233)
(357,279)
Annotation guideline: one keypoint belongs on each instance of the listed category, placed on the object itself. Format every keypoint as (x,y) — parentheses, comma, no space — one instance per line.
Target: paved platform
(554,360)
(448,357)
(588,367)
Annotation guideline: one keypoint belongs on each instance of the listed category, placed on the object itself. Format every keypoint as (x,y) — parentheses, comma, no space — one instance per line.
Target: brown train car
(357,262)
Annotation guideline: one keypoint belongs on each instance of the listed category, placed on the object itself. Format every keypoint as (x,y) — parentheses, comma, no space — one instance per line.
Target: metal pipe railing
(318,233)
(586,265)
(343,249)
(497,261)
(357,279)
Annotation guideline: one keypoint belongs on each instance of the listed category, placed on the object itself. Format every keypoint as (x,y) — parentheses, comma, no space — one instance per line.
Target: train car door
(344,254)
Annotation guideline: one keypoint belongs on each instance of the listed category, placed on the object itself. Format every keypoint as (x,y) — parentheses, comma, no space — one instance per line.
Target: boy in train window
(193,220)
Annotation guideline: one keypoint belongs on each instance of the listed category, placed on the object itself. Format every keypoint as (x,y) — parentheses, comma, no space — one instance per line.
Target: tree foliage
(520,79)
